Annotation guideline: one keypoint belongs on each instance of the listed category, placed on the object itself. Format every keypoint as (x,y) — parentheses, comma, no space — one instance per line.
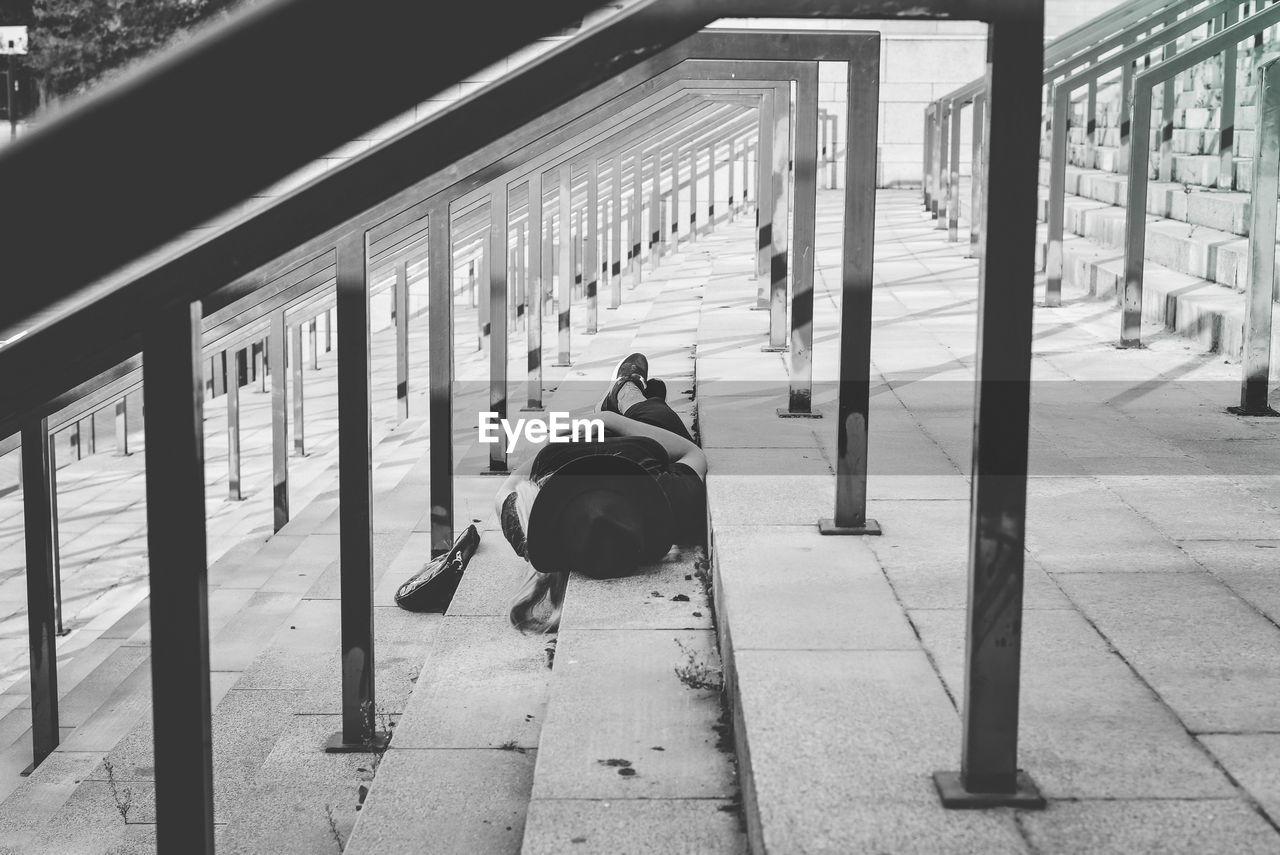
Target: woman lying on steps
(604,508)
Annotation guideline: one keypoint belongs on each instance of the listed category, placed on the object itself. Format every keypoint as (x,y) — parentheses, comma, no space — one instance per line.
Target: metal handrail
(414,177)
(1059,123)
(1135,233)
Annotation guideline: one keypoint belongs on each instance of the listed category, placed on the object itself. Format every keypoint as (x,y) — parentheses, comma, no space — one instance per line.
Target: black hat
(599,514)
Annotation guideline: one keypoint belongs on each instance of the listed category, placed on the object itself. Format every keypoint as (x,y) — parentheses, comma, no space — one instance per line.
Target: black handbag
(431,588)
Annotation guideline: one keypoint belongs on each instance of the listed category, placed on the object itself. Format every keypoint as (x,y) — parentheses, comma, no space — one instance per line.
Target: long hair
(537,604)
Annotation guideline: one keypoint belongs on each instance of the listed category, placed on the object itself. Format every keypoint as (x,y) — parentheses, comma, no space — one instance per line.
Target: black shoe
(656,388)
(634,364)
(610,400)
(431,589)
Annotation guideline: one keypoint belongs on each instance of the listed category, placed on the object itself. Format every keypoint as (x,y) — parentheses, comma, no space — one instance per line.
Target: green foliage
(74,43)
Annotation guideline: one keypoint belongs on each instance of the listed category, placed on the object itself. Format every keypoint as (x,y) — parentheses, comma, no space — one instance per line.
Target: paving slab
(1121,827)
(792,588)
(666,595)
(634,827)
(622,725)
(1207,652)
(1088,726)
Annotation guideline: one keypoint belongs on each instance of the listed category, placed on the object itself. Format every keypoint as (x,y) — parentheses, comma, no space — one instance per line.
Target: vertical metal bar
(233,422)
(299,421)
(277,341)
(675,197)
(42,625)
(953,190)
(989,772)
(591,256)
(976,176)
(77,443)
(1227,113)
(579,244)
(779,259)
(122,427)
(482,310)
(1256,364)
(748,151)
(315,349)
(732,167)
(637,215)
(764,196)
(498,335)
(328,330)
(711,186)
(1126,115)
(800,399)
(833,157)
(942,181)
(440,368)
(522,271)
(54,539)
(863,86)
(355,495)
(655,205)
(1057,195)
(172,408)
(1135,220)
(615,242)
(534,287)
(1166,122)
(1091,122)
(400,300)
(927,180)
(565,225)
(693,193)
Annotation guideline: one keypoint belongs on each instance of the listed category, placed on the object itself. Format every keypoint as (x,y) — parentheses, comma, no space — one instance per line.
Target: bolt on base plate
(1026,794)
(1268,413)
(784,413)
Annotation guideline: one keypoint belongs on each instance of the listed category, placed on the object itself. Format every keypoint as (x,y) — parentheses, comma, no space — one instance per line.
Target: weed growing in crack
(378,729)
(511,745)
(333,828)
(696,672)
(122,796)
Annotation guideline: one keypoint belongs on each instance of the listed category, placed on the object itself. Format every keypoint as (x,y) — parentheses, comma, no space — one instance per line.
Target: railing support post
(637,216)
(976,175)
(693,193)
(711,186)
(940,182)
(1227,113)
(498,278)
(989,774)
(769,107)
(655,212)
(591,256)
(1057,196)
(440,368)
(615,230)
(296,363)
(122,427)
(565,302)
(779,261)
(277,342)
(732,164)
(926,181)
(234,371)
(42,584)
(534,288)
(400,299)
(675,198)
(800,397)
(1166,122)
(953,191)
(856,275)
(315,348)
(1256,368)
(181,708)
(355,502)
(1135,226)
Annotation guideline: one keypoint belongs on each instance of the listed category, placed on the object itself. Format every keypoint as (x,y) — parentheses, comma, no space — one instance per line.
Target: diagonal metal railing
(67,178)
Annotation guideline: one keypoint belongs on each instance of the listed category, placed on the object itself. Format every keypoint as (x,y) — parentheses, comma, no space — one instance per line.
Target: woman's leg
(652,411)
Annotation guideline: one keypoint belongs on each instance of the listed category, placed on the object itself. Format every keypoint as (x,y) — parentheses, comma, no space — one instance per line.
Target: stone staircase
(1197,246)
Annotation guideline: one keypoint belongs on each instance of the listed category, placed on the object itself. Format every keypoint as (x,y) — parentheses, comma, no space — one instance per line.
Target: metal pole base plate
(784,413)
(828,526)
(562,365)
(335,745)
(770,348)
(763,308)
(532,409)
(956,797)
(503,472)
(1267,413)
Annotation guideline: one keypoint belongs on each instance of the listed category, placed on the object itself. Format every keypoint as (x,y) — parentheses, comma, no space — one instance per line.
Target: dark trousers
(652,411)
